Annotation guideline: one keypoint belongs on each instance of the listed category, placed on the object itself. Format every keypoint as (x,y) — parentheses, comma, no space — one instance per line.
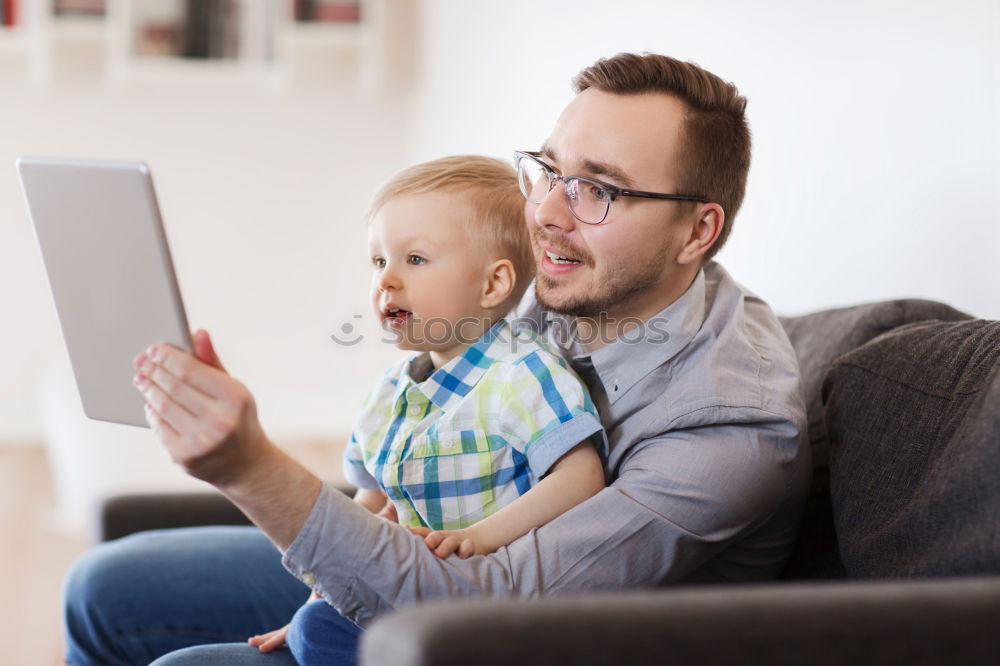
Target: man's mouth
(560,259)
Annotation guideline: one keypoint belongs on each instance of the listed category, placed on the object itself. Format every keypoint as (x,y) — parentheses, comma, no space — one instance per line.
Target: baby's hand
(388,512)
(272,640)
(446,542)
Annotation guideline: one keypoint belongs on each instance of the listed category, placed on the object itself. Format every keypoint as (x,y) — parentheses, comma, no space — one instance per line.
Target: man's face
(624,265)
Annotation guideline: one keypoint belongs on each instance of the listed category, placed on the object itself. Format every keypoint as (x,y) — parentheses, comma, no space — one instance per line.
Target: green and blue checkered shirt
(454,445)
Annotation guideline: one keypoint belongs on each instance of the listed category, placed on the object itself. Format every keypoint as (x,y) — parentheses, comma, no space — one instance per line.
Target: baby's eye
(378,262)
(416,260)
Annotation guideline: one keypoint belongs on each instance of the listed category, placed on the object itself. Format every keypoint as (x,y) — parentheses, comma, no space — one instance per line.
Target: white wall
(263,198)
(876,172)
(876,169)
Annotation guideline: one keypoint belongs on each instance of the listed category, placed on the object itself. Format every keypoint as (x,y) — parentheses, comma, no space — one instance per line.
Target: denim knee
(131,600)
(320,635)
(229,654)
(310,618)
(90,590)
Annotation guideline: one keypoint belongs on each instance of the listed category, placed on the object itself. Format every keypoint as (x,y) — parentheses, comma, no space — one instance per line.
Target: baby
(486,433)
(456,436)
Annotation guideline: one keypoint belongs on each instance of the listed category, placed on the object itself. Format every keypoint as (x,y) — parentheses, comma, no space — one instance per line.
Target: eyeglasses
(589,200)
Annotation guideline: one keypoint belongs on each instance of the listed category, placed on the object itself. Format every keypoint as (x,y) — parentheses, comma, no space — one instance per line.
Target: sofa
(898,560)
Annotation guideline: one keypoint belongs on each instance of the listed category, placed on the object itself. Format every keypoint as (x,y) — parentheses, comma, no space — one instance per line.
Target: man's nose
(554,210)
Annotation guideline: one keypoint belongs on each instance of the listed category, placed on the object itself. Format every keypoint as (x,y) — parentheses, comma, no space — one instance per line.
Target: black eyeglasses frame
(613,190)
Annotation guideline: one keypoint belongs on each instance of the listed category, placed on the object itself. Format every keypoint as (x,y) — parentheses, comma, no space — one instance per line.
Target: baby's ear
(498,283)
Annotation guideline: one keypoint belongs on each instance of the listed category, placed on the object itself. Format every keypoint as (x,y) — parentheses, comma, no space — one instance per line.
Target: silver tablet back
(99,230)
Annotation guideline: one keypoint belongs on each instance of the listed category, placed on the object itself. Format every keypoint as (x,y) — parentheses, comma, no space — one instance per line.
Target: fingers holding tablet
(201,341)
(198,410)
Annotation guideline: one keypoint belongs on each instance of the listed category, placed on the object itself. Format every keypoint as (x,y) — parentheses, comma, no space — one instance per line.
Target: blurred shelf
(325,35)
(191,73)
(139,41)
(79,28)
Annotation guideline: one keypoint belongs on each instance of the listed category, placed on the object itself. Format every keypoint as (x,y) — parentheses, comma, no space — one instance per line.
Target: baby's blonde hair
(489,186)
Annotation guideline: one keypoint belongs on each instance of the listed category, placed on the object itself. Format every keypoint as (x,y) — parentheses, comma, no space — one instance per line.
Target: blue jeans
(160,593)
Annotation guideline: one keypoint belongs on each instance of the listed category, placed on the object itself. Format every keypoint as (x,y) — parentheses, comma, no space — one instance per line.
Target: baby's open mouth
(396,317)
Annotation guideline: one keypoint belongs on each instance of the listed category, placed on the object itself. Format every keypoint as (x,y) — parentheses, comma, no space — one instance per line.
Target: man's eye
(378,262)
(416,260)
(599,193)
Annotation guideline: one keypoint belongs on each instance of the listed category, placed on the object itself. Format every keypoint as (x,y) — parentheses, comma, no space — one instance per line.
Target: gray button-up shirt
(708,471)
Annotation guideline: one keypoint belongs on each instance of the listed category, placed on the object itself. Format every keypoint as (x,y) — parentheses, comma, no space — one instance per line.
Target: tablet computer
(105,252)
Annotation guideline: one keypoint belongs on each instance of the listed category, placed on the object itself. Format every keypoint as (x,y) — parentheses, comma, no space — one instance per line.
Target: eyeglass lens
(588,201)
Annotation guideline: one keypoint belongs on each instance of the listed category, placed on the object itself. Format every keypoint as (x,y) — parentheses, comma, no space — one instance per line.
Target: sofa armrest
(122,515)
(821,624)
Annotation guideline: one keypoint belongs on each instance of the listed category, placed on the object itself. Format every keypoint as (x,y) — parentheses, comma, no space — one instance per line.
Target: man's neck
(597,332)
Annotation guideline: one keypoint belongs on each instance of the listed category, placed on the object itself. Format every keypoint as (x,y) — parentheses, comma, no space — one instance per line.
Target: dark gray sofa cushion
(918,623)
(819,339)
(914,421)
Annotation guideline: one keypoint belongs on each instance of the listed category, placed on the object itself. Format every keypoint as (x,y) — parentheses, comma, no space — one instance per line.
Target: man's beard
(623,283)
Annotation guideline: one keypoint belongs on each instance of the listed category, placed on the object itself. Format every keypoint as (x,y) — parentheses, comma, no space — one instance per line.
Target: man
(696,383)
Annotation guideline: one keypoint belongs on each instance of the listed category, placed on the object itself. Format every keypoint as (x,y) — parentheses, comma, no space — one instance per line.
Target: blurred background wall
(876,174)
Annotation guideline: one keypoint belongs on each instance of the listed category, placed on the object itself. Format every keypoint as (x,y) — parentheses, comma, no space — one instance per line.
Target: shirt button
(392,457)
(308,579)
(448,444)
(404,514)
(415,410)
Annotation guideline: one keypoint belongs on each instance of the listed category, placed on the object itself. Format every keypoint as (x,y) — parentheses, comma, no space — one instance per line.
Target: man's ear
(498,283)
(704,233)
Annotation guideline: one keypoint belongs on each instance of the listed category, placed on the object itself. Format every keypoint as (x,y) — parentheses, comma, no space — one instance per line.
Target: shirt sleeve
(371,414)
(679,500)
(547,411)
(354,466)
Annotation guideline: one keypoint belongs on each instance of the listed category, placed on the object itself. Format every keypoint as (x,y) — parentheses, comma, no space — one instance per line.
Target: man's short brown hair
(489,187)
(715,150)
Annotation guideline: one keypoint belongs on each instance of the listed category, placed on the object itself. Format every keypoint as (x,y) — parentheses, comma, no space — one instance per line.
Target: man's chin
(562,300)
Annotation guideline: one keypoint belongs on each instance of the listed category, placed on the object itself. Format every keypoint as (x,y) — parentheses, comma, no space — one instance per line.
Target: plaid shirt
(454,445)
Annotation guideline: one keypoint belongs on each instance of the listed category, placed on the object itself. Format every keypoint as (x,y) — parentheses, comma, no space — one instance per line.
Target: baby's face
(426,277)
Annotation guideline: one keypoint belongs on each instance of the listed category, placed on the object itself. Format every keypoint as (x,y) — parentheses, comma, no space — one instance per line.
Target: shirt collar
(622,363)
(453,380)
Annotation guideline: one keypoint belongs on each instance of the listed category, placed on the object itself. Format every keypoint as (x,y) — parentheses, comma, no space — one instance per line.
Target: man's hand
(206,419)
(208,422)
